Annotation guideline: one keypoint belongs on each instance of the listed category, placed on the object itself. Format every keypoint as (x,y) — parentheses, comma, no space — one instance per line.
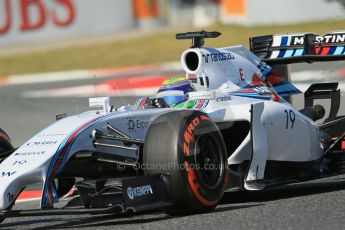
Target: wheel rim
(208,158)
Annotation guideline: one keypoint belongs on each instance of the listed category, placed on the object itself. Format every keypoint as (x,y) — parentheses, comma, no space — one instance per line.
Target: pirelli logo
(328,38)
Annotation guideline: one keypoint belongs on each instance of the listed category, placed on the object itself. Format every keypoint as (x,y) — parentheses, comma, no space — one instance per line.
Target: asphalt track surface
(313,205)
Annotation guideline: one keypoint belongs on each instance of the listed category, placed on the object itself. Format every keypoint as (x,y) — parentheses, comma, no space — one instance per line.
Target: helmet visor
(172,100)
(172,97)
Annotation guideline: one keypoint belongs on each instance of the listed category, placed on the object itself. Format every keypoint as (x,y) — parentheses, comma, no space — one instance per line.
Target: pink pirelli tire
(189,148)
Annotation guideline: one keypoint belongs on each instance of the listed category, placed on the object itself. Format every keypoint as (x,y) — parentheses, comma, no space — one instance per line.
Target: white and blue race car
(227,125)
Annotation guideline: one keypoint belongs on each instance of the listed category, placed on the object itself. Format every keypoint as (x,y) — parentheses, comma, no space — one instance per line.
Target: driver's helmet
(174,89)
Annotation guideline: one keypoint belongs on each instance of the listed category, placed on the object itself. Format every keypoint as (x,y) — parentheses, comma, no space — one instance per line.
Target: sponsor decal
(219,56)
(189,133)
(224,98)
(34,15)
(40,143)
(139,191)
(297,40)
(52,135)
(130,124)
(135,124)
(328,38)
(194,104)
(142,124)
(38,153)
(7,174)
(331,38)
(192,178)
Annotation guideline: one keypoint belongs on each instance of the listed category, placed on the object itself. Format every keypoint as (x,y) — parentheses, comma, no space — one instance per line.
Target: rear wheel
(188,147)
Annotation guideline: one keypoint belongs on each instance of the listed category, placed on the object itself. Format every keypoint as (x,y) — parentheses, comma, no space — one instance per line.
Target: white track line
(301,80)
(73,75)
(90,90)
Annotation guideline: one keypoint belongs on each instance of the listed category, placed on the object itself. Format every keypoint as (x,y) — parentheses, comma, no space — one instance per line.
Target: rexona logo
(37,143)
(139,191)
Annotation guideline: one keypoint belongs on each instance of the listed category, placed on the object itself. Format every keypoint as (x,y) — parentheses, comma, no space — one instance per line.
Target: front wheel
(188,146)
(6,147)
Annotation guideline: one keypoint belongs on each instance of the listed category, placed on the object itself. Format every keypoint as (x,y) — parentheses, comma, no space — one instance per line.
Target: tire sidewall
(193,127)
(165,145)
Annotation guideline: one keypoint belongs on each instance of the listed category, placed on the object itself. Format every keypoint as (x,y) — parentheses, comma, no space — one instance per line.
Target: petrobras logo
(139,191)
(328,38)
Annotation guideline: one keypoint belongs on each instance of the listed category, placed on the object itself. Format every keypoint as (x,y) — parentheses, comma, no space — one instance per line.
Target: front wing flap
(135,194)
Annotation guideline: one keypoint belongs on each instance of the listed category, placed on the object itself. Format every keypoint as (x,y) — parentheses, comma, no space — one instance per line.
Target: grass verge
(148,49)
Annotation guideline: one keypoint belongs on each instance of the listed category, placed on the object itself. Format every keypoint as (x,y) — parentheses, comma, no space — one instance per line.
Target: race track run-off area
(30,104)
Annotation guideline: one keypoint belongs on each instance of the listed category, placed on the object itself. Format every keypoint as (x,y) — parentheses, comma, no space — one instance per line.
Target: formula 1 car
(234,129)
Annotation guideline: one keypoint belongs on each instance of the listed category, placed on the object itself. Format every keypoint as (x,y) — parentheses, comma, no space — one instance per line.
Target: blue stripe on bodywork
(294,52)
(44,201)
(282,53)
(204,104)
(284,41)
(299,52)
(332,50)
(289,53)
(288,88)
(339,50)
(252,96)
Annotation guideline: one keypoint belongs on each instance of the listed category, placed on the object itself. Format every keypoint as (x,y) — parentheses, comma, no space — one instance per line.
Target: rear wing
(299,47)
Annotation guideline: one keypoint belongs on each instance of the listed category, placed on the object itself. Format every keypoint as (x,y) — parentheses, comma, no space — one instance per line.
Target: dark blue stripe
(284,41)
(254,97)
(332,50)
(293,52)
(282,53)
(44,201)
(285,88)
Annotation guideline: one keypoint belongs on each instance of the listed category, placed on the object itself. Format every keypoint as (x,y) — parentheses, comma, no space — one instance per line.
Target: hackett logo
(34,14)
